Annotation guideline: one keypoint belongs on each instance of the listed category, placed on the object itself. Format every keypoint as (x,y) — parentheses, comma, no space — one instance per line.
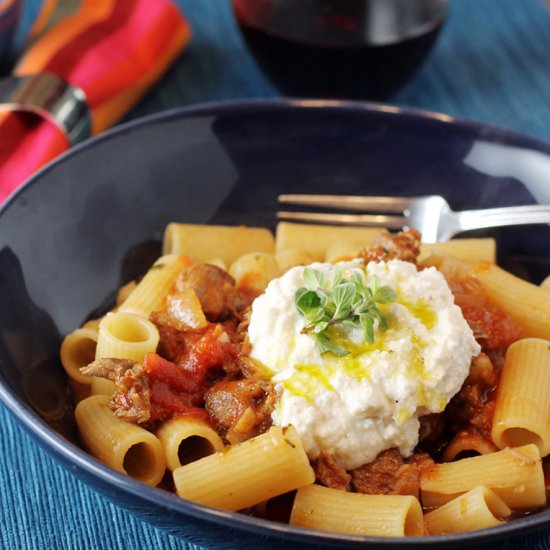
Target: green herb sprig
(351,302)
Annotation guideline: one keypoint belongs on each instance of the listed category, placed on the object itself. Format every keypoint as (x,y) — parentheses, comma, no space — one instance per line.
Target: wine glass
(340,48)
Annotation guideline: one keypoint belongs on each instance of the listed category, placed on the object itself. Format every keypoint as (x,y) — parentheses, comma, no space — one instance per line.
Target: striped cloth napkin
(113,50)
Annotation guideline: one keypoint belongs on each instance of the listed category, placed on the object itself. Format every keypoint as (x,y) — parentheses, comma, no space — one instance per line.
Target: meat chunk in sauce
(132,398)
(404,245)
(329,473)
(172,341)
(241,409)
(389,474)
(214,288)
(474,404)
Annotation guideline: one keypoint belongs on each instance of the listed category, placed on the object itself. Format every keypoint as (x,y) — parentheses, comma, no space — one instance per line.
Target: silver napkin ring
(50,96)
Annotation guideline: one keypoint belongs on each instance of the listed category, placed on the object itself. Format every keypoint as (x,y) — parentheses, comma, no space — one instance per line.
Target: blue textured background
(491,63)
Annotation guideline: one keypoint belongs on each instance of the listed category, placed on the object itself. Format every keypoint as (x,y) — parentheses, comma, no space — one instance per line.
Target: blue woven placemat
(491,63)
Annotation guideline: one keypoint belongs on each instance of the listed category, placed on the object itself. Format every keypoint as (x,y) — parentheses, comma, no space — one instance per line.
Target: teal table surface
(490,64)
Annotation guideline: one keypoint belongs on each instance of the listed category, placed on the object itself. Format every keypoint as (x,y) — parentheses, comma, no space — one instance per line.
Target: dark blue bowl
(90,220)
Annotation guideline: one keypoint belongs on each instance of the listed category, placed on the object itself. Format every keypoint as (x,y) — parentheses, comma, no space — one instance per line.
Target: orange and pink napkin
(112,50)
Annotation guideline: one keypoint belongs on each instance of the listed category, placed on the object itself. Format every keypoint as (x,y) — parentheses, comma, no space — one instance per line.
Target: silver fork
(431,214)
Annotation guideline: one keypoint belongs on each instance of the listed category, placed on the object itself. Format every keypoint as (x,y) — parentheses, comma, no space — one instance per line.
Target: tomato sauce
(178,388)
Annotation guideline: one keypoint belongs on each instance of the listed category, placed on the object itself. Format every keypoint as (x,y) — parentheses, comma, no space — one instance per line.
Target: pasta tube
(514,474)
(203,242)
(465,442)
(78,350)
(291,257)
(92,323)
(341,251)
(102,386)
(248,473)
(317,507)
(545,285)
(121,445)
(467,250)
(150,293)
(124,292)
(479,508)
(186,439)
(522,407)
(126,336)
(317,238)
(255,270)
(528,304)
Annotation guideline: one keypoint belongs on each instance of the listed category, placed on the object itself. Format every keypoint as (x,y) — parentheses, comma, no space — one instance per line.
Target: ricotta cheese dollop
(357,405)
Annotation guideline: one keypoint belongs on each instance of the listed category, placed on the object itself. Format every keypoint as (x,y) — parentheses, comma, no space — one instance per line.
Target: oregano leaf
(385,295)
(324,344)
(350,302)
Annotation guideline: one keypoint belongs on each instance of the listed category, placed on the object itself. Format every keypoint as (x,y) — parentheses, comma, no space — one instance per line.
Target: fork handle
(498,217)
(361,220)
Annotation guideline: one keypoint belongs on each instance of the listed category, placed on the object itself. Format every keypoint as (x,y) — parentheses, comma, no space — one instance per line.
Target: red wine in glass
(362,49)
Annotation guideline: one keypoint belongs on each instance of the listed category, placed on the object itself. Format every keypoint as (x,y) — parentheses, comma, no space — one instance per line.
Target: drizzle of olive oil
(308,379)
(403,414)
(423,311)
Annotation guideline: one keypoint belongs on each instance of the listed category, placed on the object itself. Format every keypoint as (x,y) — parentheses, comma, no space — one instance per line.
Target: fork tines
(349,203)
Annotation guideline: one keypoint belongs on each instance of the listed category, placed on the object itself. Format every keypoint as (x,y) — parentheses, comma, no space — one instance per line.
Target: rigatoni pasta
(503,472)
(102,386)
(125,447)
(92,324)
(77,350)
(467,250)
(186,439)
(275,461)
(255,270)
(325,509)
(522,409)
(291,257)
(479,508)
(468,443)
(341,251)
(201,243)
(124,292)
(316,239)
(150,293)
(126,336)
